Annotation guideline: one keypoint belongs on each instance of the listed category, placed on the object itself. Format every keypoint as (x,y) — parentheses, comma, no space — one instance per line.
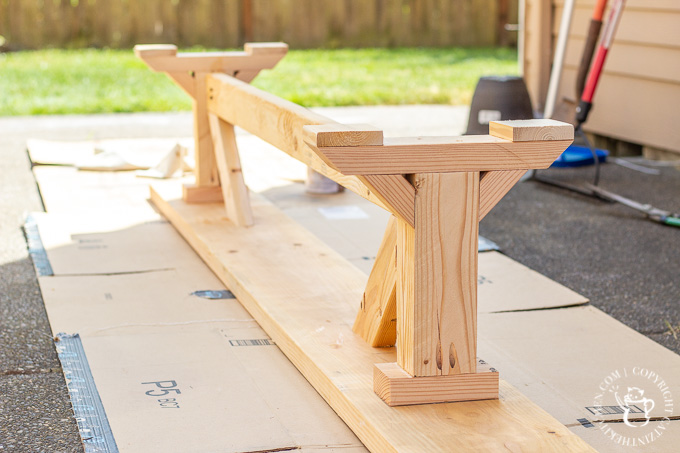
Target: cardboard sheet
(115,304)
(142,152)
(539,351)
(65,190)
(218,387)
(237,391)
(506,285)
(104,244)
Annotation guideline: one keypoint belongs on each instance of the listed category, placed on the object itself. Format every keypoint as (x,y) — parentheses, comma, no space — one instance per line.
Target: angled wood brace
(421,294)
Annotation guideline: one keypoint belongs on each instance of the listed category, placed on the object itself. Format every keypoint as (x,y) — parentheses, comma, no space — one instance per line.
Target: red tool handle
(596,70)
(590,45)
(598,12)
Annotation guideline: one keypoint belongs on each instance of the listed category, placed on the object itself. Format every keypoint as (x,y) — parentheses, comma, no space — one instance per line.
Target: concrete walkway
(628,266)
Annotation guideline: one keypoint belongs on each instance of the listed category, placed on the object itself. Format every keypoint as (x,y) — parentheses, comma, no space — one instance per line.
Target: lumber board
(205,194)
(394,191)
(410,155)
(279,123)
(343,135)
(304,295)
(531,130)
(234,190)
(162,57)
(493,186)
(376,320)
(205,167)
(437,308)
(398,388)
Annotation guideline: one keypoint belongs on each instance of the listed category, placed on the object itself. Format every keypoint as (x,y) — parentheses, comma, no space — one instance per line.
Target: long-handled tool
(654,214)
(590,45)
(582,111)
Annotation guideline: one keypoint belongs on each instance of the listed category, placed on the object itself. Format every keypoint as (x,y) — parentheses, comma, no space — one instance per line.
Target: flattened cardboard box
(67,190)
(575,362)
(238,392)
(235,392)
(104,244)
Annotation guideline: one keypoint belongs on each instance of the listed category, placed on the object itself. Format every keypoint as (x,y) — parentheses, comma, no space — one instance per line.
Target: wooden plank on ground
(305,296)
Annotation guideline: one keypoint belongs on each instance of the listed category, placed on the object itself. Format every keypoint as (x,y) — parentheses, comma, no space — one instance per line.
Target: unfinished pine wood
(206,194)
(144,51)
(493,186)
(398,388)
(304,295)
(234,190)
(255,56)
(205,167)
(531,130)
(410,155)
(394,191)
(189,70)
(343,135)
(437,315)
(280,123)
(376,321)
(185,81)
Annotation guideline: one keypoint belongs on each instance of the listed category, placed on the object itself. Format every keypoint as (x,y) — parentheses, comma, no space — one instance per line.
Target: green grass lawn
(99,81)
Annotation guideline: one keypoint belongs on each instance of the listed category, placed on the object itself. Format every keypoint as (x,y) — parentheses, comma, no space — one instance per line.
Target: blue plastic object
(578,156)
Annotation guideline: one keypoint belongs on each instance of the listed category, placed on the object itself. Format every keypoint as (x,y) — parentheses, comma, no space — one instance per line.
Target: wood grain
(376,321)
(304,295)
(531,130)
(394,191)
(493,186)
(397,388)
(443,154)
(375,317)
(192,193)
(234,190)
(343,135)
(280,123)
(437,317)
(205,167)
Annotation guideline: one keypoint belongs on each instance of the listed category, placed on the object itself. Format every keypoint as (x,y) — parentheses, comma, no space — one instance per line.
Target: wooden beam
(398,388)
(206,194)
(397,194)
(443,154)
(304,296)
(205,167)
(376,321)
(165,58)
(278,122)
(437,296)
(493,186)
(336,134)
(234,190)
(531,130)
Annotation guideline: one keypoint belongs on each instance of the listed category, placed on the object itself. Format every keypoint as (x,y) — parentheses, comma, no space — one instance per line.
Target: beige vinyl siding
(638,97)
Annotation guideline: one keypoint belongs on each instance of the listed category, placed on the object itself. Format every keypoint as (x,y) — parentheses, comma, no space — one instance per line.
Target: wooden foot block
(195,194)
(398,388)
